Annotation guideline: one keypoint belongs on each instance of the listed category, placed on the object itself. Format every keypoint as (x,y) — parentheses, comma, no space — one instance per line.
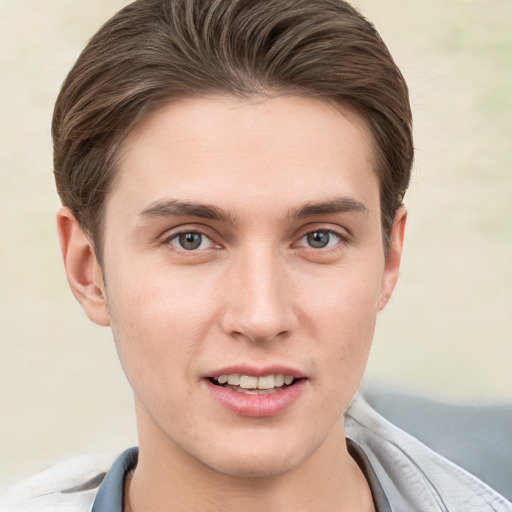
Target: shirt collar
(110,496)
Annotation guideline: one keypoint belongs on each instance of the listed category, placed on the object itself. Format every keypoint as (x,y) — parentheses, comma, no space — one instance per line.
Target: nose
(259,298)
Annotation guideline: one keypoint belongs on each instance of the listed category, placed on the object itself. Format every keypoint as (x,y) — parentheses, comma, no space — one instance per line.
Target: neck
(168,479)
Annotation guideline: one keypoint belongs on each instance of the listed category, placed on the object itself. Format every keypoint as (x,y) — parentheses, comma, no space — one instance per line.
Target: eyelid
(342,233)
(330,244)
(175,232)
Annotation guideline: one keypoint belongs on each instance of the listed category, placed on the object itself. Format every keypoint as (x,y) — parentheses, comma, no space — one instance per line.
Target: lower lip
(256,406)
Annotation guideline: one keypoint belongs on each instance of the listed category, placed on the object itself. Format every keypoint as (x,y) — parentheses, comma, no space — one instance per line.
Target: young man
(232,176)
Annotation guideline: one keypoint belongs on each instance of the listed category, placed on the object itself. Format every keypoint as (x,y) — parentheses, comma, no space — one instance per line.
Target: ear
(83,271)
(394,256)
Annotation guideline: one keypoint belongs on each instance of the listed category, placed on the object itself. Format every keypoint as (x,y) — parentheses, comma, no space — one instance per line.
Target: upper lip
(257,371)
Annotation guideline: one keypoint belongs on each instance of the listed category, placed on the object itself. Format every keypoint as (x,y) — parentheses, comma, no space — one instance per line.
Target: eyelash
(168,239)
(342,239)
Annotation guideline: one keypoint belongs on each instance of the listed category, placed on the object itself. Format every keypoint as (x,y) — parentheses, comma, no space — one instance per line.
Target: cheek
(341,315)
(159,321)
(345,300)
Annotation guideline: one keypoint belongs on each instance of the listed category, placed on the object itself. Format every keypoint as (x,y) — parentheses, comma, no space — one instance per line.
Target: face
(243,251)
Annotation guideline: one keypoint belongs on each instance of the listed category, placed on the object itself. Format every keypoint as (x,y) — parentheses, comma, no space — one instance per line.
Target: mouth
(255,392)
(252,385)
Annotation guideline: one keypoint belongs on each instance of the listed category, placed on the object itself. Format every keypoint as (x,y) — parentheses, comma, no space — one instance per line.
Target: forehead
(236,152)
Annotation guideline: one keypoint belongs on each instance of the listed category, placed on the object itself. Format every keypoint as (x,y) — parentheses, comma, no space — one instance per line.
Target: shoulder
(413,476)
(70,485)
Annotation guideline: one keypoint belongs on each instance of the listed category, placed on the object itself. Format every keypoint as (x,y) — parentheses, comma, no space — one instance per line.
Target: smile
(262,395)
(252,385)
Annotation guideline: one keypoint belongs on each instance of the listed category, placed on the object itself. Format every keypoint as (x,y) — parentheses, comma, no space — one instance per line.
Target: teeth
(267,382)
(278,380)
(250,382)
(247,382)
(234,380)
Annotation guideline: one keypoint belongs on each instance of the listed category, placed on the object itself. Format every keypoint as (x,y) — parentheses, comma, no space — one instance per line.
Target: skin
(254,292)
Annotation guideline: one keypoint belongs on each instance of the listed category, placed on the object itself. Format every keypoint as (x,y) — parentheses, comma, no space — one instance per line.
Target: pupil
(190,241)
(318,239)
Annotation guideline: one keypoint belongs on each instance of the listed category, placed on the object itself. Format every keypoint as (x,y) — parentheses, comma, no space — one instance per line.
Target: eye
(191,241)
(320,239)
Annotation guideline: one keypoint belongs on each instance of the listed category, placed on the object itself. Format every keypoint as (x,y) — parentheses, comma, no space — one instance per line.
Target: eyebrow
(333,206)
(175,208)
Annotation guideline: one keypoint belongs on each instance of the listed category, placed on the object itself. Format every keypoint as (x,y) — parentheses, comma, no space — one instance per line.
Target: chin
(258,460)
(270,467)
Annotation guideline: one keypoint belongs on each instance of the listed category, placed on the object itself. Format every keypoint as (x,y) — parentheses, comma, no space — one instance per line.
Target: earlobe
(82,268)
(393,257)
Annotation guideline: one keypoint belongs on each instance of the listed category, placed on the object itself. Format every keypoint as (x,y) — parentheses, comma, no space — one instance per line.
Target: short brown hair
(156,51)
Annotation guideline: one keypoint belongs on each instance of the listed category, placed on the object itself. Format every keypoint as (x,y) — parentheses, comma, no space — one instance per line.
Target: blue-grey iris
(318,239)
(190,241)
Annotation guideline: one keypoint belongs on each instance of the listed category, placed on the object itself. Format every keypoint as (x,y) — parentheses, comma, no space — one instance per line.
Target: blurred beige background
(447,331)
